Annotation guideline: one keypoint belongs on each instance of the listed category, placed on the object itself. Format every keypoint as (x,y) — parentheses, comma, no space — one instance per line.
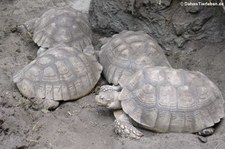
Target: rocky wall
(171,22)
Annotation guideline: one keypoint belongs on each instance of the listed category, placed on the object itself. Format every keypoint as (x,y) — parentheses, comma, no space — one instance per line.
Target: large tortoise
(59,25)
(164,99)
(61,73)
(126,52)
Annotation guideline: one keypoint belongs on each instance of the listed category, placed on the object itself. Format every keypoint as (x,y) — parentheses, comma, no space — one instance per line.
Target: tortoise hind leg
(206,132)
(47,104)
(202,135)
(123,126)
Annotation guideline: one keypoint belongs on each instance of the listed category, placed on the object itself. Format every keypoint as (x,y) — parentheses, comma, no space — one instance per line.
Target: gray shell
(62,25)
(172,100)
(127,52)
(62,73)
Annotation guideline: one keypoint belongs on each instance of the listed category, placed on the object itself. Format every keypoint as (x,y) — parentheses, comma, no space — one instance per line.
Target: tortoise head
(108,97)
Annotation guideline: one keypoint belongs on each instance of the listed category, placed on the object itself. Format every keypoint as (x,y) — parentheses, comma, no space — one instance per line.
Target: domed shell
(62,25)
(61,73)
(172,100)
(128,51)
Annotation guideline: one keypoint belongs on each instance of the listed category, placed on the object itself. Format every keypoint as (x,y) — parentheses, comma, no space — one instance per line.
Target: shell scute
(174,78)
(146,95)
(185,98)
(189,123)
(39,91)
(167,97)
(44,60)
(49,74)
(156,77)
(177,122)
(49,91)
(149,117)
(57,92)
(33,73)
(163,121)
(204,94)
(65,92)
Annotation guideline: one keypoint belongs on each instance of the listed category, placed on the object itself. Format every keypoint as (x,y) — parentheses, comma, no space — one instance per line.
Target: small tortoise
(59,25)
(126,52)
(164,99)
(61,73)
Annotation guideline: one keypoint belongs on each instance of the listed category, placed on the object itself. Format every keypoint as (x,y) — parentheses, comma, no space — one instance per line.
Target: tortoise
(62,73)
(127,52)
(164,99)
(58,25)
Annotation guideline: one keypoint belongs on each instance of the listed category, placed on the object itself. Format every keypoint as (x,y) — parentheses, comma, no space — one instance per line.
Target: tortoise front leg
(44,103)
(110,88)
(26,29)
(124,127)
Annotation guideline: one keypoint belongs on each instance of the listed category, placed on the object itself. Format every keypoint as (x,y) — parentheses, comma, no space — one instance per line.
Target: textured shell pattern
(172,100)
(127,52)
(62,25)
(62,73)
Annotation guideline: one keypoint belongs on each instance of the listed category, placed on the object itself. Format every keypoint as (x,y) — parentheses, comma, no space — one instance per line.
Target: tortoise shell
(163,99)
(128,51)
(62,25)
(61,73)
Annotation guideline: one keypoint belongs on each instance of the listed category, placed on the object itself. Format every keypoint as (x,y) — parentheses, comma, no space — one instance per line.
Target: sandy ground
(82,124)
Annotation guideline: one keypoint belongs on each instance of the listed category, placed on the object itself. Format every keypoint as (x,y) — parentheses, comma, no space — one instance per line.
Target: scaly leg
(46,104)
(110,87)
(206,132)
(124,127)
(26,30)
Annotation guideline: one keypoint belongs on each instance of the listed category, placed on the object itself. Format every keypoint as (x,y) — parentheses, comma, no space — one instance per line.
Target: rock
(160,4)
(180,41)
(193,9)
(180,27)
(199,22)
